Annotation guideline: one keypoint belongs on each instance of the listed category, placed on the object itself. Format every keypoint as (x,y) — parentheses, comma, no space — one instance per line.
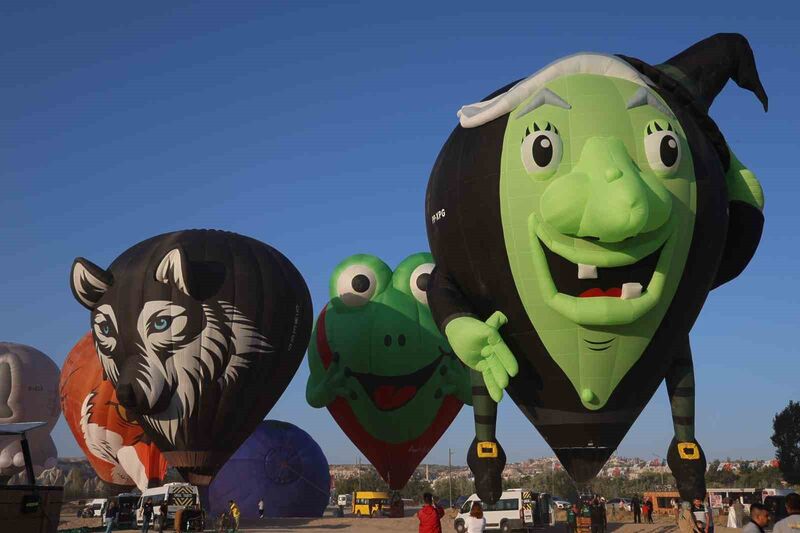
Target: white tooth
(587,271)
(631,291)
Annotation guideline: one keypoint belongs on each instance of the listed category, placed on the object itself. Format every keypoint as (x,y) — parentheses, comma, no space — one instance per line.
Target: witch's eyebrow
(645,97)
(545,96)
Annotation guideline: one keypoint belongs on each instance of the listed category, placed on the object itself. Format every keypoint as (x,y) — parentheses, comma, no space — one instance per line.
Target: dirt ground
(328,524)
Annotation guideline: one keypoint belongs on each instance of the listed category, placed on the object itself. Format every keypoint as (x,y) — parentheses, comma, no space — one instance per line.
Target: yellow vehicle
(366,503)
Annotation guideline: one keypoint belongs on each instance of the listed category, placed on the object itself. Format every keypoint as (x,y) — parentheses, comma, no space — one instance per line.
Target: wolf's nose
(126,396)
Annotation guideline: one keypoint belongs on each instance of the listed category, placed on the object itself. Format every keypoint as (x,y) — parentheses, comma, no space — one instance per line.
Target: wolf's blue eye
(105,328)
(162,324)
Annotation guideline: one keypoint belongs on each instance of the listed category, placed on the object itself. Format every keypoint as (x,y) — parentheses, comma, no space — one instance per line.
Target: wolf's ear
(89,282)
(174,269)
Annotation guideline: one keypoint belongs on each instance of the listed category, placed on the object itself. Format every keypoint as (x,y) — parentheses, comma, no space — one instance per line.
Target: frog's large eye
(662,148)
(356,285)
(541,151)
(420,278)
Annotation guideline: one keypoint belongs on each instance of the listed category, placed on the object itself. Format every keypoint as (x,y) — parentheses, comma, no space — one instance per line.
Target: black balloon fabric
(200,331)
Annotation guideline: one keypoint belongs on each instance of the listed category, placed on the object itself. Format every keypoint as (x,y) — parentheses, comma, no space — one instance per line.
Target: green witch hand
(480,346)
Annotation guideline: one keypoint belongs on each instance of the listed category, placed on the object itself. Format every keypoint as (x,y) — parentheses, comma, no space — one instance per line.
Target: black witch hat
(705,67)
(697,75)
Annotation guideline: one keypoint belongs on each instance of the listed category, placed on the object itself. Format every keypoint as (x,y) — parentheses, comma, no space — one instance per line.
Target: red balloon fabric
(115,445)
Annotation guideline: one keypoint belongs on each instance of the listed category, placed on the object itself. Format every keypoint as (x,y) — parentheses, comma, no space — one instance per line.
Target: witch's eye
(662,148)
(541,150)
(162,323)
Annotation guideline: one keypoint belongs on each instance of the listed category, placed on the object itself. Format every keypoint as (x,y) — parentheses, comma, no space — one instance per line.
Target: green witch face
(597,204)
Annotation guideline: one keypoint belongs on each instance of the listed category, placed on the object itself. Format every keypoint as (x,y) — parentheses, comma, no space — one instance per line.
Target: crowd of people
(591,514)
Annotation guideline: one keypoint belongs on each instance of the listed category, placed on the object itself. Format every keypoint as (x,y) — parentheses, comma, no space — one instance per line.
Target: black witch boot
(688,464)
(487,460)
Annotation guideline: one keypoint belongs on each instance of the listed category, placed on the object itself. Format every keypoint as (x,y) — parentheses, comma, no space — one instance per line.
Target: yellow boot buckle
(689,451)
(487,449)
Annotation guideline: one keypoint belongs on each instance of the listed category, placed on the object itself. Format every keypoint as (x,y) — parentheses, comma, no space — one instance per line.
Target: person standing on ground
(476,523)
(702,513)
(686,520)
(790,524)
(737,505)
(636,507)
(111,516)
(177,522)
(261,508)
(163,511)
(735,513)
(597,519)
(235,513)
(759,518)
(147,515)
(572,518)
(430,516)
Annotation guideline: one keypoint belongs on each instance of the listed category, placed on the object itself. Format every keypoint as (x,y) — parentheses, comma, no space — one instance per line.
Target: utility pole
(359,472)
(449,473)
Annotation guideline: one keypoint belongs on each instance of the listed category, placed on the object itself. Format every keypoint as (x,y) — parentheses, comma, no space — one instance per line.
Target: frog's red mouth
(393,392)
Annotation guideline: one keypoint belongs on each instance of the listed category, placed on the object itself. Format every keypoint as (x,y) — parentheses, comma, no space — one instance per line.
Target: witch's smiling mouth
(393,392)
(601,284)
(589,281)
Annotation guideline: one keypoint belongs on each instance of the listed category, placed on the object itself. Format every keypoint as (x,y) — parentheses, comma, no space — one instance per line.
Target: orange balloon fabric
(116,446)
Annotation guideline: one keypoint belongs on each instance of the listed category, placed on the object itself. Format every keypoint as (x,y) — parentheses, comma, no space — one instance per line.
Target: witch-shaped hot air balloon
(115,445)
(381,367)
(200,332)
(579,218)
(28,393)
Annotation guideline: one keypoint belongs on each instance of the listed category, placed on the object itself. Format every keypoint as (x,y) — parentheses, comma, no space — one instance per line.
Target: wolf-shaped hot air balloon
(578,219)
(200,332)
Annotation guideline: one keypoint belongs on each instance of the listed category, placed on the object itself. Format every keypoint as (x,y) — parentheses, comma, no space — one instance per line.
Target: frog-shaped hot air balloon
(579,218)
(380,365)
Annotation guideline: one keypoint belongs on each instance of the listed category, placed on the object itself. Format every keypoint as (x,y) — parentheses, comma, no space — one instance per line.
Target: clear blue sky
(313,126)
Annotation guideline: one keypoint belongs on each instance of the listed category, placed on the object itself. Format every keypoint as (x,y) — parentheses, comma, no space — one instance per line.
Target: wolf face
(171,350)
(199,332)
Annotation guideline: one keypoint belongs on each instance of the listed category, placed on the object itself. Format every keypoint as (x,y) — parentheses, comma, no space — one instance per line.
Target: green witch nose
(605,196)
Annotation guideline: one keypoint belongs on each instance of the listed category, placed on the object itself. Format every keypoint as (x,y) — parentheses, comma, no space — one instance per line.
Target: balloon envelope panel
(193,326)
(115,445)
(279,463)
(28,393)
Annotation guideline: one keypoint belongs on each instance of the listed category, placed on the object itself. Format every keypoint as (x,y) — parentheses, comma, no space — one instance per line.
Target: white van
(345,500)
(176,495)
(774,492)
(98,507)
(516,510)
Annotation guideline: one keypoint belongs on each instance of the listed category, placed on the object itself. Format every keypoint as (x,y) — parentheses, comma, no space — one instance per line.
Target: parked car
(176,495)
(561,504)
(127,503)
(345,500)
(622,504)
(96,508)
(459,502)
(516,510)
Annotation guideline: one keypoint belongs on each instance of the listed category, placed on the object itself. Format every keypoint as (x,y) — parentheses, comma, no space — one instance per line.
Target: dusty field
(366,525)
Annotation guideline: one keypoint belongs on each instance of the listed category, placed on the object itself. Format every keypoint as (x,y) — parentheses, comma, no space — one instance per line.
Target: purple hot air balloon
(279,463)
